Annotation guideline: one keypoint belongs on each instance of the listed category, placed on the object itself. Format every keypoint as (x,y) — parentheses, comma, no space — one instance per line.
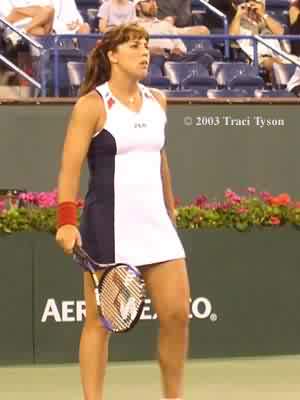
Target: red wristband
(66,214)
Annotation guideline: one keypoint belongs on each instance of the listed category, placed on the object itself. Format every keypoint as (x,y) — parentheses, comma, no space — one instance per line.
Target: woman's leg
(93,352)
(42,19)
(168,287)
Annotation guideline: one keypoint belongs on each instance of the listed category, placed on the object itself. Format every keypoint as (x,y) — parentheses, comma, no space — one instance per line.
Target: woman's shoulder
(91,103)
(160,97)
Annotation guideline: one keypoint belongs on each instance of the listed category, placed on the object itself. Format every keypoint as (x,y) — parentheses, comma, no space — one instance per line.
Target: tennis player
(119,126)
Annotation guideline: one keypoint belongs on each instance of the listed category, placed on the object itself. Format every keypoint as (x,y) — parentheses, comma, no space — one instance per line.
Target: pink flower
(2,206)
(275,221)
(265,196)
(201,201)
(177,201)
(232,197)
(242,210)
(251,190)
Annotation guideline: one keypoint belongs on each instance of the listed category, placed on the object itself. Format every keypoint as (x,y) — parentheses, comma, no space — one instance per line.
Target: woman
(129,209)
(115,12)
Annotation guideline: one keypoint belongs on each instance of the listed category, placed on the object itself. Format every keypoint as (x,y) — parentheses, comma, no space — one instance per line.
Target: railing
(211,38)
(41,86)
(218,13)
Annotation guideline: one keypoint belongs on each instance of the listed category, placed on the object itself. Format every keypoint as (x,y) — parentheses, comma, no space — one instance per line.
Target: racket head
(121,297)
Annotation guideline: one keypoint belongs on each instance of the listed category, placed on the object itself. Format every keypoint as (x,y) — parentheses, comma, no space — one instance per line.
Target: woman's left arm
(167,187)
(165,171)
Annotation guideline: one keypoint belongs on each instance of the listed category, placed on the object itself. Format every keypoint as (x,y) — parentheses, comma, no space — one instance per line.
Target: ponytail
(98,69)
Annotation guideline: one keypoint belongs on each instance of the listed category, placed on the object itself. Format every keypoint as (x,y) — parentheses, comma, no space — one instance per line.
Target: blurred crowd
(40,18)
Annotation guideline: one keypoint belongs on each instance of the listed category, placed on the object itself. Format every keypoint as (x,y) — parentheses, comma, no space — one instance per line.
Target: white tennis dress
(125,217)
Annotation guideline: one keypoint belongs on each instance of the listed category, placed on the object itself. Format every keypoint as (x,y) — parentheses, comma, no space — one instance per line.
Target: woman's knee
(95,326)
(175,316)
(48,12)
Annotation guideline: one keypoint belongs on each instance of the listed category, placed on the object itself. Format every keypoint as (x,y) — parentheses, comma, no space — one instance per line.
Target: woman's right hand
(67,236)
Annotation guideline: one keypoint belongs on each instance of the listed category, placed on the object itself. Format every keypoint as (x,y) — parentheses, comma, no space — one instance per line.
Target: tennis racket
(120,292)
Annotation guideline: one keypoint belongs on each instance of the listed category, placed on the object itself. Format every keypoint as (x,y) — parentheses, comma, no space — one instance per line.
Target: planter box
(252,283)
(16,299)
(245,299)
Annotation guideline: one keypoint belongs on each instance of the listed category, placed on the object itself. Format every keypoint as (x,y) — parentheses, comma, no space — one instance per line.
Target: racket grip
(66,214)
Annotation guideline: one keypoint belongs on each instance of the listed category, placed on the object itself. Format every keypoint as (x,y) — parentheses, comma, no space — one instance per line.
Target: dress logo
(140,125)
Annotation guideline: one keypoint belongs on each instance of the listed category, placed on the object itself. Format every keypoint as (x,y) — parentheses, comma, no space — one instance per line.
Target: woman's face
(131,58)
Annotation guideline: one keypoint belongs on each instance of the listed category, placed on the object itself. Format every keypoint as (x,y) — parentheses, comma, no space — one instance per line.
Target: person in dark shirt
(178,12)
(227,7)
(294,26)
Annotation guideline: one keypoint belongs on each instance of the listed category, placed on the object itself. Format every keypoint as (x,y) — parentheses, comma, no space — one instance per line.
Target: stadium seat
(273,93)
(45,66)
(189,76)
(157,81)
(237,75)
(180,93)
(282,74)
(217,93)
(76,72)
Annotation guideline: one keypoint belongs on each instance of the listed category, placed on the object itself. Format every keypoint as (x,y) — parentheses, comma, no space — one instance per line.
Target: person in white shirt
(68,19)
(34,17)
(251,19)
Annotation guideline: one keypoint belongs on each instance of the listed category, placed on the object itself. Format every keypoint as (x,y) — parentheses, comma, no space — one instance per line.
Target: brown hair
(98,68)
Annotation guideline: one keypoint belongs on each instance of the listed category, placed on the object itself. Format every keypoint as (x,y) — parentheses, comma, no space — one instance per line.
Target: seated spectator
(251,19)
(294,25)
(170,48)
(67,19)
(178,12)
(115,12)
(33,17)
(293,84)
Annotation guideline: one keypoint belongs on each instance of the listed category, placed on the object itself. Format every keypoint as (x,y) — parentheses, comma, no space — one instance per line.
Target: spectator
(68,19)
(178,12)
(294,25)
(251,19)
(293,84)
(115,12)
(33,17)
(170,48)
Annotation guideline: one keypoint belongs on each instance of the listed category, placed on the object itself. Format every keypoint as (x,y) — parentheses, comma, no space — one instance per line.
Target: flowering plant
(28,212)
(37,212)
(241,212)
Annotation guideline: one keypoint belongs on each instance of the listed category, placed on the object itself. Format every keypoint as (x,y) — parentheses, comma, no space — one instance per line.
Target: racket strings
(121,296)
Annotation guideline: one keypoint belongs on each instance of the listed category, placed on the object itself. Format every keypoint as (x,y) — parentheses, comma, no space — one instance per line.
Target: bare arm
(82,126)
(235,26)
(293,14)
(103,27)
(167,186)
(86,119)
(274,26)
(165,170)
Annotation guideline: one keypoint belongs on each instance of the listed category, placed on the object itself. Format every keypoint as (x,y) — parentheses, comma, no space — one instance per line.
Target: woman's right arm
(86,118)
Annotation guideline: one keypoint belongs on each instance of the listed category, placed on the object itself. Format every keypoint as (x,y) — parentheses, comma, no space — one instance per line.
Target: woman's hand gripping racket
(120,292)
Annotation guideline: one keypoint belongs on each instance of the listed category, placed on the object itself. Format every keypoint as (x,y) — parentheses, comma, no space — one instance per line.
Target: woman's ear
(112,58)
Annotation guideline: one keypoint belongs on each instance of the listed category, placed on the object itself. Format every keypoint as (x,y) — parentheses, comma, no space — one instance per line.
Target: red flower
(282,199)
(275,221)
